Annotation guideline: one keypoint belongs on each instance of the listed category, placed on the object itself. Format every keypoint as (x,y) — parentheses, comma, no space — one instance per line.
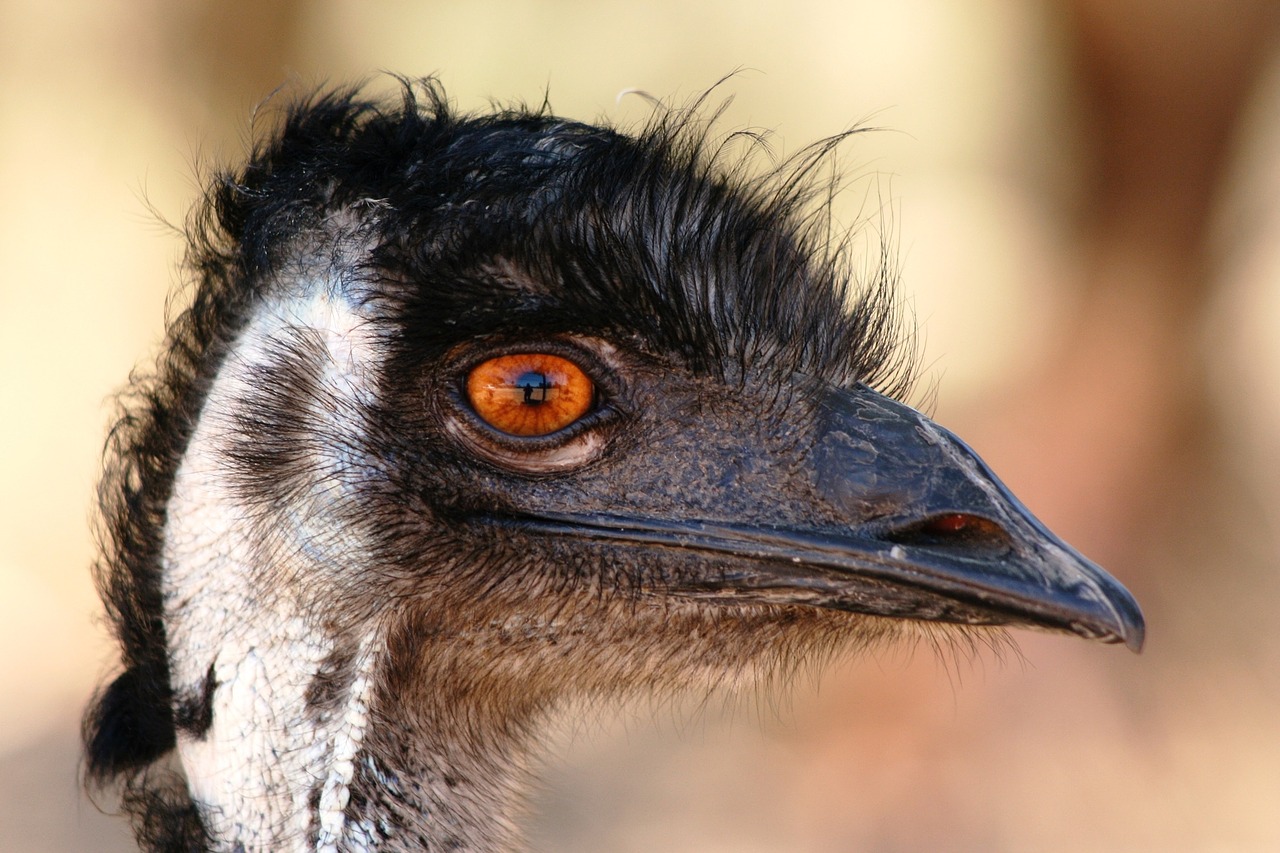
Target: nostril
(952,530)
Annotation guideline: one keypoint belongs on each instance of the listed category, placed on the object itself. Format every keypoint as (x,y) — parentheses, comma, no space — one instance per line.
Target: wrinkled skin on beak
(867,507)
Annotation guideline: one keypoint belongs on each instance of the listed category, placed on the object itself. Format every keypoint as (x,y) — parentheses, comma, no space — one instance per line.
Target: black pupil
(535,386)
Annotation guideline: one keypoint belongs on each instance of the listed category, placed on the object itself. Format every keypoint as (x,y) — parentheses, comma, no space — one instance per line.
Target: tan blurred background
(1086,199)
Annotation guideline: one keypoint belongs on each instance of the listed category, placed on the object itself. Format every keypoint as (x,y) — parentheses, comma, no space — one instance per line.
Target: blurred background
(1085,200)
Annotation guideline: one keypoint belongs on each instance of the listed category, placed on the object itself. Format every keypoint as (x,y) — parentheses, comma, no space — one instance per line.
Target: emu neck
(286,731)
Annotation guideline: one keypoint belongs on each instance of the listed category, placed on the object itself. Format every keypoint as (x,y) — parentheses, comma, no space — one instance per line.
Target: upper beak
(925,531)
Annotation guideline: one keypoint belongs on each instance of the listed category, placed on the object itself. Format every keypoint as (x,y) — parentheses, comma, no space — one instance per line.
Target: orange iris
(529,393)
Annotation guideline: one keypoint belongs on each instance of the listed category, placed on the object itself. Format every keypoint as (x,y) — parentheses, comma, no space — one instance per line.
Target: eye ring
(530,394)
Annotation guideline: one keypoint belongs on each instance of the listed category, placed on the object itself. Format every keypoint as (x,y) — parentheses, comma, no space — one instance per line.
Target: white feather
(236,597)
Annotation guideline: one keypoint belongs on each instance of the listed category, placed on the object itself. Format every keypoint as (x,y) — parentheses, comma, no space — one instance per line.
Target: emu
(474,415)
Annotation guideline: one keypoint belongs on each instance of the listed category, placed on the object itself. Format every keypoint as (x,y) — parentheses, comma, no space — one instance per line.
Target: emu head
(473,415)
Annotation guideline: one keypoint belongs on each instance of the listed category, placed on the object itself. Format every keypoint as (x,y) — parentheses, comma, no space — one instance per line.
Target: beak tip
(1133,636)
(1134,631)
(1129,625)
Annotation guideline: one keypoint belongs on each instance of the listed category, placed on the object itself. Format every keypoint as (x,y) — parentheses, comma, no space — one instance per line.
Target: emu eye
(529,394)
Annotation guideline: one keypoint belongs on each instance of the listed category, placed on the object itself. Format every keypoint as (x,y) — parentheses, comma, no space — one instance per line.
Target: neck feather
(278,691)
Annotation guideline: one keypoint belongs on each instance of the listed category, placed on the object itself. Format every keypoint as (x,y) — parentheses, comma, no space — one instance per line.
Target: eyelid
(597,358)
(531,456)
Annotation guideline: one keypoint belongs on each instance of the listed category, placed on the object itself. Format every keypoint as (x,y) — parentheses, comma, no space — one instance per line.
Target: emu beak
(946,537)
(925,531)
